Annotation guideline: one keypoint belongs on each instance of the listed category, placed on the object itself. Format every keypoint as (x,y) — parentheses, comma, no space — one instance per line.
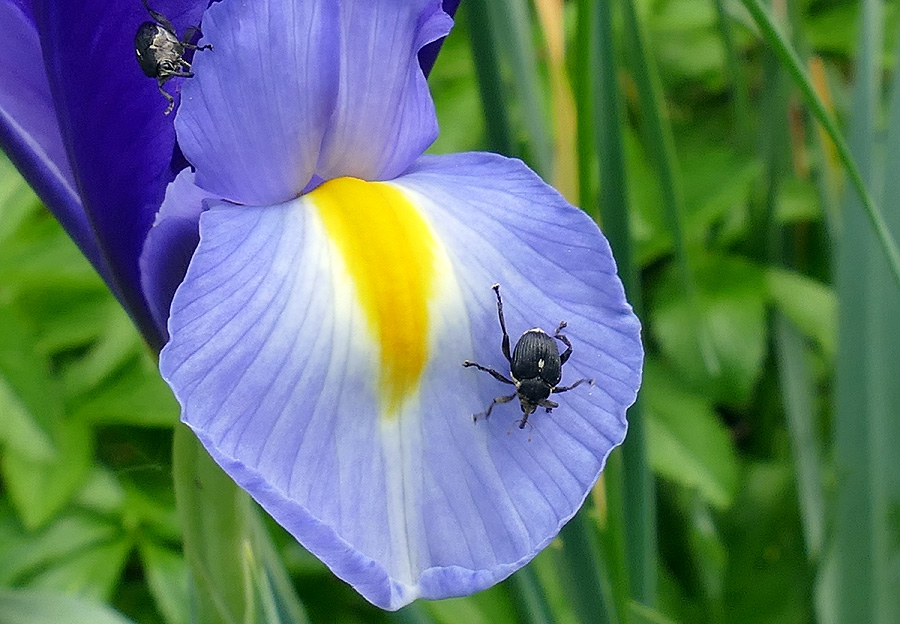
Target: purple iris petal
(284,330)
(30,133)
(384,117)
(253,118)
(269,360)
(170,245)
(428,54)
(121,147)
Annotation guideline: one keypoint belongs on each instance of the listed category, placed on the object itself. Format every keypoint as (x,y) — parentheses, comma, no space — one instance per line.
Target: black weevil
(535,367)
(160,53)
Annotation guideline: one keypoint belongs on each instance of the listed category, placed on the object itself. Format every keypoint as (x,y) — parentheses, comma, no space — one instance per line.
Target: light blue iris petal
(252,119)
(384,118)
(272,362)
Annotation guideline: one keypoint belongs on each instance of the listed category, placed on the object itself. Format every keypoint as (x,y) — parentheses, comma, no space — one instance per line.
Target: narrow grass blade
(799,395)
(528,597)
(614,533)
(738,84)
(781,46)
(885,390)
(510,23)
(639,506)
(565,169)
(583,85)
(662,151)
(859,522)
(586,579)
(490,81)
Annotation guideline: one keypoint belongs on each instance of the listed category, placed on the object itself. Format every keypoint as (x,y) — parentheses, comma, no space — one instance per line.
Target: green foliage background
(759,482)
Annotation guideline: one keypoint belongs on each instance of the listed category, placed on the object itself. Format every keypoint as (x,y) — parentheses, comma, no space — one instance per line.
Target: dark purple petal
(170,244)
(121,147)
(428,54)
(253,119)
(29,132)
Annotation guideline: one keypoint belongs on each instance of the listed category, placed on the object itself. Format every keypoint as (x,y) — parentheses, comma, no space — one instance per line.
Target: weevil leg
(189,34)
(559,389)
(563,339)
(497,400)
(166,95)
(505,345)
(548,405)
(494,374)
(524,422)
(521,424)
(159,17)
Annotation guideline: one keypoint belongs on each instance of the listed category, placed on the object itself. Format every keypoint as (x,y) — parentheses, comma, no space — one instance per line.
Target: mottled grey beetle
(160,54)
(535,367)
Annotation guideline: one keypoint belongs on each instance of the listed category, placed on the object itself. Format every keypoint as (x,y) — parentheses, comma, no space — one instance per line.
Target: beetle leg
(189,34)
(548,405)
(159,17)
(505,344)
(563,339)
(522,424)
(494,374)
(558,389)
(166,95)
(499,399)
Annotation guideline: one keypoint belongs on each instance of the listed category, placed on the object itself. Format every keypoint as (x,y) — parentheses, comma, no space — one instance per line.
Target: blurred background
(760,481)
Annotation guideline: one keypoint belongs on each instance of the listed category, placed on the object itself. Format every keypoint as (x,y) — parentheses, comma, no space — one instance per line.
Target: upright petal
(29,131)
(121,147)
(317,347)
(253,118)
(384,117)
(428,54)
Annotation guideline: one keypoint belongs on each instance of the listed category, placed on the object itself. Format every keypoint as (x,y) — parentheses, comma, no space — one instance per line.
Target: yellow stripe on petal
(389,252)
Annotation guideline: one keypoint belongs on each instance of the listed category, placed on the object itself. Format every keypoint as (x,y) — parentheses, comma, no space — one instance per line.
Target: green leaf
(731,302)
(810,305)
(688,443)
(167,577)
(17,200)
(645,615)
(23,555)
(102,492)
(93,572)
(29,400)
(37,607)
(39,489)
(768,577)
(118,343)
(136,395)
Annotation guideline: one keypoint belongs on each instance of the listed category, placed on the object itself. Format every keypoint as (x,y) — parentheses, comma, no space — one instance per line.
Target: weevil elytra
(535,367)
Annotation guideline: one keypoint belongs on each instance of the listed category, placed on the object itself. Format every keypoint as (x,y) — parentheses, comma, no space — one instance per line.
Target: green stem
(587,581)
(528,597)
(638,501)
(490,81)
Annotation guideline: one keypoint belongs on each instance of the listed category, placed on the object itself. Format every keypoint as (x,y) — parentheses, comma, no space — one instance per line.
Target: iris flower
(319,282)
